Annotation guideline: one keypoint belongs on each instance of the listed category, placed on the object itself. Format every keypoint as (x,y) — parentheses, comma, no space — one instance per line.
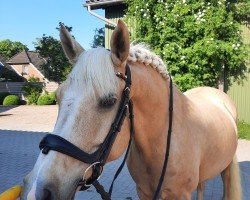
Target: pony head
(88,102)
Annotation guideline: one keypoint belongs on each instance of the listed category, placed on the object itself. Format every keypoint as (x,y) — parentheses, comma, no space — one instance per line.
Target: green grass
(244,130)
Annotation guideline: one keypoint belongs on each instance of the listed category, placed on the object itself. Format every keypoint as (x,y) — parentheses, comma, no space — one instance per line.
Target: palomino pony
(204,136)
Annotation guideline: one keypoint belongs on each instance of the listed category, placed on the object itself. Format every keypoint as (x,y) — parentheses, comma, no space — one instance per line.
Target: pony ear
(71,47)
(120,44)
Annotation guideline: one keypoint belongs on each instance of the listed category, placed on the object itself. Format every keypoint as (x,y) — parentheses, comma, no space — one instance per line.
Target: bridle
(98,158)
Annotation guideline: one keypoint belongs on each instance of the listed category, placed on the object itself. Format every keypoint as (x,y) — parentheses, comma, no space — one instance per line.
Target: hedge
(11,100)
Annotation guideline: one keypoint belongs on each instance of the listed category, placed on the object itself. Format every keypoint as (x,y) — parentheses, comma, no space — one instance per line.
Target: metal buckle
(127,88)
(88,168)
(122,76)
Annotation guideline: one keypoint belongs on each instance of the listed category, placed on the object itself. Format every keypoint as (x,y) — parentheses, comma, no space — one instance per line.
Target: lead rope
(157,192)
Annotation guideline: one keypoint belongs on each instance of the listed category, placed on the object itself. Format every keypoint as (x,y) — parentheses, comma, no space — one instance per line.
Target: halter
(98,158)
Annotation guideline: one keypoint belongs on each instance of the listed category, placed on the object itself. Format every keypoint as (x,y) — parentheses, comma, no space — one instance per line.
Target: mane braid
(140,53)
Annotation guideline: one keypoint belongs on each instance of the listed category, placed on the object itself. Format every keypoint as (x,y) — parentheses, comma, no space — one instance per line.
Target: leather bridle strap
(99,188)
(170,123)
(57,143)
(132,132)
(97,159)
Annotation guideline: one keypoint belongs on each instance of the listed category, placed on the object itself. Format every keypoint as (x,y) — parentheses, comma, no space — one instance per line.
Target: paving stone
(19,150)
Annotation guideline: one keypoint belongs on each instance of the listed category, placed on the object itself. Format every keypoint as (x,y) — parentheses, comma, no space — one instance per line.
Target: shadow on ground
(6,108)
(19,151)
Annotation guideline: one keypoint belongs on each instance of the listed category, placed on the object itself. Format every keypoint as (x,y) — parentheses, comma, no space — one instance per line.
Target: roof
(7,73)
(3,63)
(96,4)
(26,57)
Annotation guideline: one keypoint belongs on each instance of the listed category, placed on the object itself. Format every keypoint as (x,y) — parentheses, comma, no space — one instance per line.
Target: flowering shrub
(198,40)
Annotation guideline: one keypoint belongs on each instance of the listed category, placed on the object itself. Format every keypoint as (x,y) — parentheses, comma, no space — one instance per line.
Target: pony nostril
(47,195)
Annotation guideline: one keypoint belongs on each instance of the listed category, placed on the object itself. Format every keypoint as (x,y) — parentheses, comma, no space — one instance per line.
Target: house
(7,73)
(28,64)
(114,10)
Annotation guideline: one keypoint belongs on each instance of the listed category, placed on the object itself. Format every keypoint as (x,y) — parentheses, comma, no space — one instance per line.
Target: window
(1,65)
(25,70)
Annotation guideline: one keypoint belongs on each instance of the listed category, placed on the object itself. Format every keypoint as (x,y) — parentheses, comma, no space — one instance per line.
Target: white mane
(141,53)
(94,69)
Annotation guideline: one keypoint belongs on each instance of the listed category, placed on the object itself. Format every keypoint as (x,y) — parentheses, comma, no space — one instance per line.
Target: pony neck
(150,94)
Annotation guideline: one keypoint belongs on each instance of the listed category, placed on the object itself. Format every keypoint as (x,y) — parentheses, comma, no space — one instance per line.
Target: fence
(16,87)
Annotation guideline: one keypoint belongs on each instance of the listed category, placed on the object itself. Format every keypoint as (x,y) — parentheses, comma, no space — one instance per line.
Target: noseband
(98,158)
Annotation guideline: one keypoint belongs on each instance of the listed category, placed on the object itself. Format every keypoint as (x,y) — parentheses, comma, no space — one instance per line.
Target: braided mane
(140,53)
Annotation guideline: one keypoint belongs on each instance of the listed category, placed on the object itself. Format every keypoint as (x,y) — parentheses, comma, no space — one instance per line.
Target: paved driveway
(19,149)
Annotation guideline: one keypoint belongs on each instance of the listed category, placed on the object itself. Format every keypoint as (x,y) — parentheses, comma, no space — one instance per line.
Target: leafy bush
(11,100)
(33,90)
(53,97)
(2,96)
(243,130)
(45,99)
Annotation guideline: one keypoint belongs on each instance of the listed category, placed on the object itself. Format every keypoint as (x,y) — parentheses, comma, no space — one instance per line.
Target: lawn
(244,130)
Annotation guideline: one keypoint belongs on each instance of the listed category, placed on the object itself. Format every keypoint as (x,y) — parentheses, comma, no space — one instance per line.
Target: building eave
(103,4)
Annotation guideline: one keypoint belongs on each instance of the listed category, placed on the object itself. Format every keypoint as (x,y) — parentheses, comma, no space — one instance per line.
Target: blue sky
(26,20)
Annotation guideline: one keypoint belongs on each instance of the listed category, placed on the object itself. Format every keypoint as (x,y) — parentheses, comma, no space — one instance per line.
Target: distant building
(114,10)
(8,74)
(28,64)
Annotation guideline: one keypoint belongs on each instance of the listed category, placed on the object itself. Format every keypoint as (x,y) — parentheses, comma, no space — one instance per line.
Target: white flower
(231,22)
(145,14)
(183,57)
(184,1)
(219,3)
(211,38)
(238,45)
(146,4)
(142,10)
(208,3)
(196,66)
(136,7)
(233,45)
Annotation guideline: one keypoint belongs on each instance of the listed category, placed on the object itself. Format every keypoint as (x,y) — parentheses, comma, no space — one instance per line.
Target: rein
(97,159)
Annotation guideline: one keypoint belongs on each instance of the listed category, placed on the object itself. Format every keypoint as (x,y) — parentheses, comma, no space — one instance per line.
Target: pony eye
(108,102)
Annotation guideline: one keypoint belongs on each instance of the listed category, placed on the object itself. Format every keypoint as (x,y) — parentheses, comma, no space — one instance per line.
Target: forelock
(94,71)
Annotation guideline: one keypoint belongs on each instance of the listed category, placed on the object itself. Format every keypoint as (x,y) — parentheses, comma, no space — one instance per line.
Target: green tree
(9,48)
(197,39)
(57,65)
(99,38)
